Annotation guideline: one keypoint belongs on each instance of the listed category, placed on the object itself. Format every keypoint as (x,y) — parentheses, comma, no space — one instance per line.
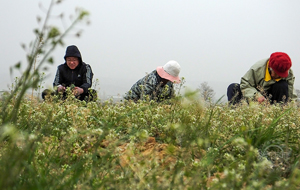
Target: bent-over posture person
(157,85)
(74,72)
(269,79)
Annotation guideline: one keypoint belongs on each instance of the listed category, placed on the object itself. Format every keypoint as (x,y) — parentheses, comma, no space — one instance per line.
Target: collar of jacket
(157,76)
(268,75)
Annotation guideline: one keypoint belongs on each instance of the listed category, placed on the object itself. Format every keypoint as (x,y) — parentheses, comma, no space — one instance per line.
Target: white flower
(32,137)
(240,141)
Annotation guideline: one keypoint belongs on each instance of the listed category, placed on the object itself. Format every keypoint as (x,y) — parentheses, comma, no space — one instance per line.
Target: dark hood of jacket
(73,51)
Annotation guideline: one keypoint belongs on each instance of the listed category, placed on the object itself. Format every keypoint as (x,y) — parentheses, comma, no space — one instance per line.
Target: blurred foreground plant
(18,164)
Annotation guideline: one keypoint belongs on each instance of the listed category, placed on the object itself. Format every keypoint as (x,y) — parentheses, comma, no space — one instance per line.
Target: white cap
(170,71)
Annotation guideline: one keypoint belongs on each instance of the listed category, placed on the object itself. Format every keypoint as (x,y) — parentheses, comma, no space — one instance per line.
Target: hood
(73,51)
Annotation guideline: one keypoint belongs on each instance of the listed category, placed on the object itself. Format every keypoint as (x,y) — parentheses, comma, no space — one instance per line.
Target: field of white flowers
(176,144)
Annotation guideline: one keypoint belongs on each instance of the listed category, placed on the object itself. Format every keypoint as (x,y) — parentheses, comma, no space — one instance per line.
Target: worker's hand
(61,88)
(77,91)
(260,99)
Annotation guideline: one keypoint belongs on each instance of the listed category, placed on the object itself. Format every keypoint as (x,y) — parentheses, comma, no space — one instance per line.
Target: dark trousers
(234,93)
(278,92)
(91,95)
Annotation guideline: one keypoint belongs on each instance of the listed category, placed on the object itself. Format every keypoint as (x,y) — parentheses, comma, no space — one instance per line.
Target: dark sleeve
(57,79)
(87,78)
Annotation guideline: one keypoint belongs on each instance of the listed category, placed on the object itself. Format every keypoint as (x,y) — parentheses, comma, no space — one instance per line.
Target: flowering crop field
(176,144)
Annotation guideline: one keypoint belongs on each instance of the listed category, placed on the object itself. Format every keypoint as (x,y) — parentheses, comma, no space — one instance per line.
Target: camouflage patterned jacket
(150,86)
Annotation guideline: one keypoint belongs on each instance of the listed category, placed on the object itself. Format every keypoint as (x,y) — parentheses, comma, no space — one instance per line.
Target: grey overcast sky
(213,40)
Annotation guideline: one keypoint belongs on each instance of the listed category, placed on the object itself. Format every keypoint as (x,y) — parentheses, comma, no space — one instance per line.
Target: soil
(150,150)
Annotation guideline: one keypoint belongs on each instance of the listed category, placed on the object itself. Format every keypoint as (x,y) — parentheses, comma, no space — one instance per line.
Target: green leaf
(38,18)
(83,14)
(29,58)
(40,51)
(50,60)
(36,31)
(23,46)
(54,32)
(78,34)
(18,65)
(60,42)
(35,83)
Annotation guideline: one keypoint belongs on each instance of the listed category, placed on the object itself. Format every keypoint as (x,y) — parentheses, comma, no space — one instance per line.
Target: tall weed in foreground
(20,140)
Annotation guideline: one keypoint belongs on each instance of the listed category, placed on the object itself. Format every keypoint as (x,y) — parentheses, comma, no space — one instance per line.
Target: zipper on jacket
(73,78)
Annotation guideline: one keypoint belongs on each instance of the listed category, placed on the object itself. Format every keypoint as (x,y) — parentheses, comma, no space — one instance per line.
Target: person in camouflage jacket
(157,85)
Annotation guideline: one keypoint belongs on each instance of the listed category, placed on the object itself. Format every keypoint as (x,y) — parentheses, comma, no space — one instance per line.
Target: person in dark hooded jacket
(73,73)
